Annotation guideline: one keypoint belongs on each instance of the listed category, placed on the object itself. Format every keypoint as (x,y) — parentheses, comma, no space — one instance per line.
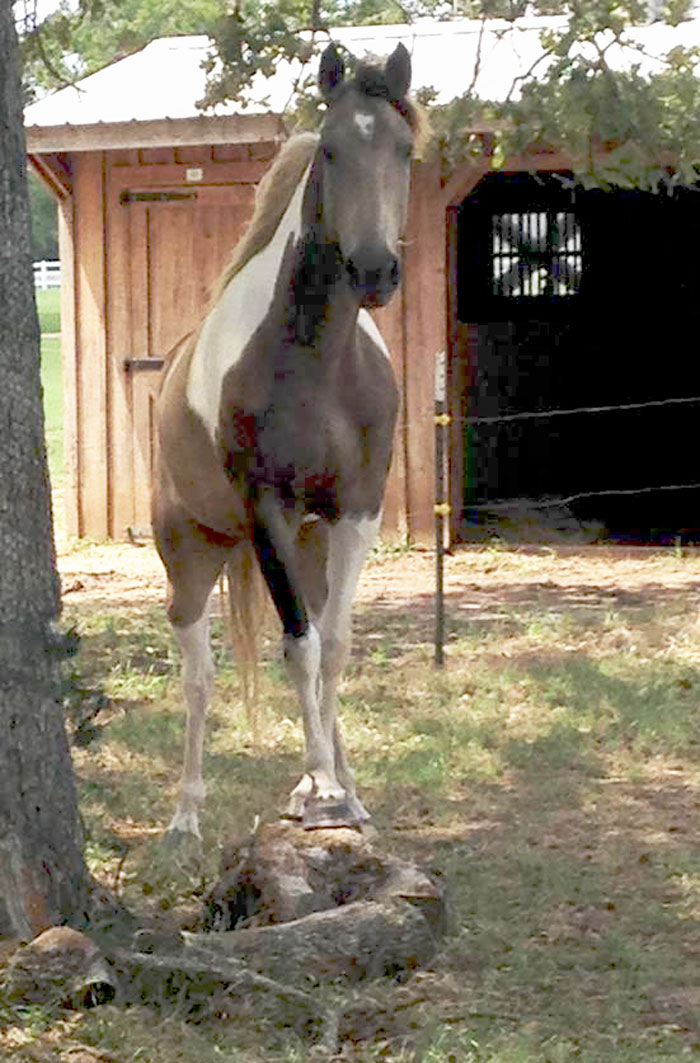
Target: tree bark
(365,939)
(43,879)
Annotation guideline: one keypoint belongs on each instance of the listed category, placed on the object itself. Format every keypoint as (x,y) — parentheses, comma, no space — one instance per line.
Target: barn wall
(143,261)
(143,271)
(429,326)
(425,338)
(90,344)
(71,453)
(391,322)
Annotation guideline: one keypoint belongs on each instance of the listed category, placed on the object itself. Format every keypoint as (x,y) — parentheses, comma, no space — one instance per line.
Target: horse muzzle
(374,275)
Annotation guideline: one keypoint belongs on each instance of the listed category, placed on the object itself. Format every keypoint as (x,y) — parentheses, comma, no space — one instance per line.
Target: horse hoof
(183,849)
(175,839)
(329,813)
(359,810)
(297,799)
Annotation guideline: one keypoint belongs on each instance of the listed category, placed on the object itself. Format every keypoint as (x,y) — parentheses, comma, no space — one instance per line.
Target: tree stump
(59,968)
(320,906)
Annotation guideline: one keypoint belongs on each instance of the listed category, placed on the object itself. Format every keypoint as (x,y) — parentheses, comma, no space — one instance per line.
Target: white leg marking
(303,656)
(197,683)
(350,540)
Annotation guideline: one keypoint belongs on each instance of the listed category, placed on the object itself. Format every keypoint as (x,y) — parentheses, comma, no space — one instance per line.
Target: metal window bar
(535,253)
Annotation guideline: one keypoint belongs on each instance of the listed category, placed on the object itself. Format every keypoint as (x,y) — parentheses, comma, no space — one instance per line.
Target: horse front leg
(319,799)
(350,540)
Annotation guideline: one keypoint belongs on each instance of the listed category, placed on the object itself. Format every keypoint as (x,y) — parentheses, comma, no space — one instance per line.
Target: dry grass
(550,775)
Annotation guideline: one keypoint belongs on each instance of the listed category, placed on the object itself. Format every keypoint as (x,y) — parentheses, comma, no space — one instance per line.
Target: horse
(275,420)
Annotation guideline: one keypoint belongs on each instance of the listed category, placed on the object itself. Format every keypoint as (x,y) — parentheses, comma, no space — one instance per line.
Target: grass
(53,404)
(550,776)
(48,306)
(49,310)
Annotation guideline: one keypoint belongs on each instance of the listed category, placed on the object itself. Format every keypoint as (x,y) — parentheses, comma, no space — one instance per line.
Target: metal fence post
(442,509)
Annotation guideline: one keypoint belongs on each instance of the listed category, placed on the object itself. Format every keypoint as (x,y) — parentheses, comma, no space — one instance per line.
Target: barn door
(576,299)
(521,338)
(175,243)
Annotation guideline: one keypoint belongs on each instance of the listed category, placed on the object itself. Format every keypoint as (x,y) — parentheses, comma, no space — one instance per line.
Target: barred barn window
(536,253)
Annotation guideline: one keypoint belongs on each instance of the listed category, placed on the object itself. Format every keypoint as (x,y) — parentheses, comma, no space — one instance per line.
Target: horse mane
(272,198)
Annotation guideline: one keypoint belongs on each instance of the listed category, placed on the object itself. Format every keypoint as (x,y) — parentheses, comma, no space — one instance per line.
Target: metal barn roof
(154,93)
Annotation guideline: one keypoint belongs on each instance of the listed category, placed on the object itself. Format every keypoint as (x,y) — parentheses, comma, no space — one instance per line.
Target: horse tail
(244,614)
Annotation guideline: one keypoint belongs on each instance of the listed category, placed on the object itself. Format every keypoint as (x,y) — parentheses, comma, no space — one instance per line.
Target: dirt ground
(477,578)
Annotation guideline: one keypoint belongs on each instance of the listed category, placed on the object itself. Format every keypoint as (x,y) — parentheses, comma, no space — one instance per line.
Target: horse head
(363,170)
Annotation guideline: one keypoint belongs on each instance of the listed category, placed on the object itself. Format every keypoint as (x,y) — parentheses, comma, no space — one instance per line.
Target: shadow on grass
(571,860)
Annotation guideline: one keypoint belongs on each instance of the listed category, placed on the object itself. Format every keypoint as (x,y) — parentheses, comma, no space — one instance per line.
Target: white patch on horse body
(365,124)
(236,317)
(369,326)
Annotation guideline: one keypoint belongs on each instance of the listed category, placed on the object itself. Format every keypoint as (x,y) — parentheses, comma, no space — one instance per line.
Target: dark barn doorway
(573,298)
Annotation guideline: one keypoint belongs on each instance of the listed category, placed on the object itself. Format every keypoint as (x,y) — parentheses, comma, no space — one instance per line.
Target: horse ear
(397,73)
(332,71)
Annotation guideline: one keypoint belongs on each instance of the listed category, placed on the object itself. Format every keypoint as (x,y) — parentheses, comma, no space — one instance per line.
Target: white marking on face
(240,311)
(365,124)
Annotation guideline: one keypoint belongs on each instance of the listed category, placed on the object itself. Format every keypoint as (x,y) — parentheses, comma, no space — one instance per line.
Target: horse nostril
(372,273)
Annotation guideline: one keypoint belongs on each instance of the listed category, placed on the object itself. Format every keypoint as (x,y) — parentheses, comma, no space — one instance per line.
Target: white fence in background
(47,275)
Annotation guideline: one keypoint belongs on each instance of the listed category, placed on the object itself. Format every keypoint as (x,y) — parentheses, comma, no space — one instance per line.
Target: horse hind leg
(193,566)
(197,684)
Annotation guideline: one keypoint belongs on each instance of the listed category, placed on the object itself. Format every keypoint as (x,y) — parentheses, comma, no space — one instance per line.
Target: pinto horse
(275,419)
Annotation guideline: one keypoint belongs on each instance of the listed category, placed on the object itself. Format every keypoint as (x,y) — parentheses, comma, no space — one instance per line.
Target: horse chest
(308,443)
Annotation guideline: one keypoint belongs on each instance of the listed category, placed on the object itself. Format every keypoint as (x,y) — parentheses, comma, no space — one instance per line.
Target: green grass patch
(52,384)
(48,305)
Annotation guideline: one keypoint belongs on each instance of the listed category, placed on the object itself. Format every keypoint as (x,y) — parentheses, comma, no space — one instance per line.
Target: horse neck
(325,309)
(321,298)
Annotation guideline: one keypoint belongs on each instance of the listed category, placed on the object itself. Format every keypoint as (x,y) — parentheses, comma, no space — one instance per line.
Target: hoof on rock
(320,813)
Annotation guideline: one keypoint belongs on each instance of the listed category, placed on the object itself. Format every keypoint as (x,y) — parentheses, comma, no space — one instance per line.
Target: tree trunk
(43,879)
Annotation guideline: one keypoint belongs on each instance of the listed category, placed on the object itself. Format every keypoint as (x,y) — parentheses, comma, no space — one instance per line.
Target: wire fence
(531,415)
(444,424)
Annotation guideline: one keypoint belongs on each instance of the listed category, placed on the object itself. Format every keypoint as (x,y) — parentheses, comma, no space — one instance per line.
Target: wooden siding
(91,343)
(69,360)
(138,273)
(144,236)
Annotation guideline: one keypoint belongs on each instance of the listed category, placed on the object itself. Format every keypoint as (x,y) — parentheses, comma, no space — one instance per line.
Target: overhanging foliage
(625,117)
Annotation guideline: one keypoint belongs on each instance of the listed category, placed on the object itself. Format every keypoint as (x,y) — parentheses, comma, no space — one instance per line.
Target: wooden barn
(544,296)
